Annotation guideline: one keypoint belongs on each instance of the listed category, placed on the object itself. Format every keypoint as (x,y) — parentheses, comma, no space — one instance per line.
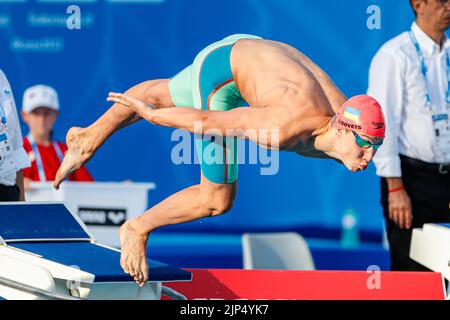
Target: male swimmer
(286,93)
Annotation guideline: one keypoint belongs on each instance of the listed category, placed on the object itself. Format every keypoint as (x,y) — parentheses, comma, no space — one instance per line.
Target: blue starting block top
(51,231)
(39,221)
(103,262)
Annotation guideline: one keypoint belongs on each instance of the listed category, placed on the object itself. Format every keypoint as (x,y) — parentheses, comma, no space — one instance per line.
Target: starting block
(46,247)
(430,246)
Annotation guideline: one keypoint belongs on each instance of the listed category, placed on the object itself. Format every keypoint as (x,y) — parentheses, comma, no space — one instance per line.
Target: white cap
(40,96)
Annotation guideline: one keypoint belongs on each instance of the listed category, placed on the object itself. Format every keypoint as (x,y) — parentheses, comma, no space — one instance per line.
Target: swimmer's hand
(78,153)
(143,109)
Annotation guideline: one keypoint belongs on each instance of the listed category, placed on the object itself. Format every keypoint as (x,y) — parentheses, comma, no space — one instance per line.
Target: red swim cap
(363,114)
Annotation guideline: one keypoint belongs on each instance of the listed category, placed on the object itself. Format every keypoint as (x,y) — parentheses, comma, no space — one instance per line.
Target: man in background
(409,76)
(40,109)
(13,158)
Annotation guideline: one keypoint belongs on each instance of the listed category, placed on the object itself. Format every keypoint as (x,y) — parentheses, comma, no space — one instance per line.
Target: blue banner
(121,43)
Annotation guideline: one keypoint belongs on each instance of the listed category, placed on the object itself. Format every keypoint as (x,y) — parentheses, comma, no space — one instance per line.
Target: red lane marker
(311,285)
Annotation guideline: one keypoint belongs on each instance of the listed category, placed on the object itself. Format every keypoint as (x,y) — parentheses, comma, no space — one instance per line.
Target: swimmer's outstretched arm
(83,142)
(117,117)
(266,126)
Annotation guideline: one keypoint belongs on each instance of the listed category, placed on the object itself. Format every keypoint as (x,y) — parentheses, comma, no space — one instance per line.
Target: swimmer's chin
(354,169)
(350,167)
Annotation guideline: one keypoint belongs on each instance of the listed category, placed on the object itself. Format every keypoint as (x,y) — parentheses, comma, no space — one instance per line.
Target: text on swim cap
(349,125)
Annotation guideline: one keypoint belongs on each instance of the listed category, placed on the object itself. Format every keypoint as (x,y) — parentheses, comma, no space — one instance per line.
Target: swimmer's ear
(342,132)
(338,131)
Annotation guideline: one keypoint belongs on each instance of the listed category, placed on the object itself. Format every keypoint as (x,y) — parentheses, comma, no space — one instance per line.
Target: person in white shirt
(409,76)
(13,158)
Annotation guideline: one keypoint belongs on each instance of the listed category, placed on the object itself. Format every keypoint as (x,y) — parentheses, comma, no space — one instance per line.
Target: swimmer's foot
(133,246)
(78,153)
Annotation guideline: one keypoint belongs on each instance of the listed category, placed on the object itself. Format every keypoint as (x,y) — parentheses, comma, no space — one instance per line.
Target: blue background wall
(123,44)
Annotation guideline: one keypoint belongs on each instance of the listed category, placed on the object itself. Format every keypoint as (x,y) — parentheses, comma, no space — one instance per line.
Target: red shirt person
(39,111)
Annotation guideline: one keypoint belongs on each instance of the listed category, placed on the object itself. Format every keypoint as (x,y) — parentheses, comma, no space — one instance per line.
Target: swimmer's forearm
(272,127)
(243,122)
(189,119)
(267,127)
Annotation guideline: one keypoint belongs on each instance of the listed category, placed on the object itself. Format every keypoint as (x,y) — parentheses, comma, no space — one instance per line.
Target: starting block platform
(52,242)
(430,246)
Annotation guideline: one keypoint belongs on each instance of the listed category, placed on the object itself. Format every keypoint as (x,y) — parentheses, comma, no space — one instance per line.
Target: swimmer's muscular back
(270,73)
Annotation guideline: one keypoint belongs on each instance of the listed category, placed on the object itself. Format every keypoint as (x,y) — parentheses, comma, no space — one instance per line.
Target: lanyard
(424,70)
(2,116)
(37,155)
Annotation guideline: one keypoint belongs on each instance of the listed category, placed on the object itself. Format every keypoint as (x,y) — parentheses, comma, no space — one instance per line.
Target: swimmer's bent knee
(213,208)
(221,209)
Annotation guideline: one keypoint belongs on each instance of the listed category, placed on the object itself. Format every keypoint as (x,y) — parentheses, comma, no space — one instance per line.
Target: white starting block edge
(430,246)
(33,270)
(24,269)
